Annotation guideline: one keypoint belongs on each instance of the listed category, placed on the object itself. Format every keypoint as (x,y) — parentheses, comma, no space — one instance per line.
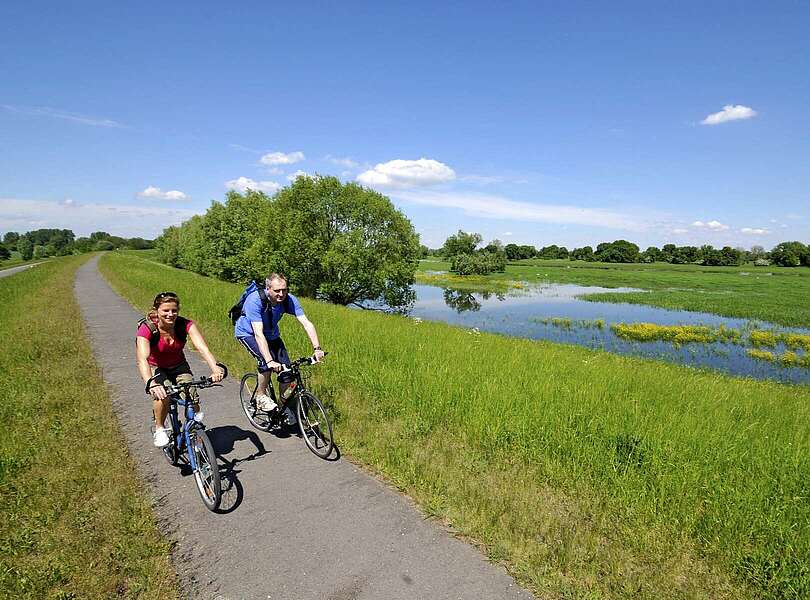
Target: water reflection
(463,300)
(554,312)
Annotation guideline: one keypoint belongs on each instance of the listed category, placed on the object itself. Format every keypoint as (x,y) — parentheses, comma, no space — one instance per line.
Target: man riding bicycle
(257,330)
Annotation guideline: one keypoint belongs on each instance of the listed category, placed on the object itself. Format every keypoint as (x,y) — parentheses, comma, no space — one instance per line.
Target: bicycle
(188,438)
(313,420)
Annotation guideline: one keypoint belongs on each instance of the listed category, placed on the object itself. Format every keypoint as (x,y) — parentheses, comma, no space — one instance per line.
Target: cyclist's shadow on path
(224,439)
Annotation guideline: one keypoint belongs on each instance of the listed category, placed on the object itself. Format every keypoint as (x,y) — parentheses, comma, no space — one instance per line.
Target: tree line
(43,243)
(462,250)
(339,242)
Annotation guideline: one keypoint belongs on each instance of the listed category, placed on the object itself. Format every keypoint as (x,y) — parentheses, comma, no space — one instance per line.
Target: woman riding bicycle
(159,352)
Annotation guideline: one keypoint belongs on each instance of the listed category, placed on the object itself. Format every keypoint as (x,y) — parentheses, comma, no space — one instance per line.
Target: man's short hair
(273,276)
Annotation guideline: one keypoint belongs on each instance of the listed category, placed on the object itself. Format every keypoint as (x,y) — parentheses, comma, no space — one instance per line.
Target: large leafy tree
(341,242)
(620,251)
(231,230)
(790,254)
(461,243)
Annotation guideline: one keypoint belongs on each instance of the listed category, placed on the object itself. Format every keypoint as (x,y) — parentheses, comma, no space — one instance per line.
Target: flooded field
(554,312)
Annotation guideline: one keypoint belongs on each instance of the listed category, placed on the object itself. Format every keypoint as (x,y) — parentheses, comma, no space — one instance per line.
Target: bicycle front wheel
(247,397)
(314,424)
(206,473)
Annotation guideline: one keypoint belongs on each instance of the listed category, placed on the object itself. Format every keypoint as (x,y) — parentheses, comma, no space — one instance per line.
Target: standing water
(554,312)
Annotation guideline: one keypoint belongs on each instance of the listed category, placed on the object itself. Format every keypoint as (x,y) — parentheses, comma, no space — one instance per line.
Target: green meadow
(74,522)
(775,294)
(588,475)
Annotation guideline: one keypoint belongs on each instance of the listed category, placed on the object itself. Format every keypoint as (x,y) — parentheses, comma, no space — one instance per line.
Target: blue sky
(533,123)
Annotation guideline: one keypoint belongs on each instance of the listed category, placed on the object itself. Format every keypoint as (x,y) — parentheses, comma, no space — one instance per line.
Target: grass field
(74,522)
(774,294)
(15,261)
(589,475)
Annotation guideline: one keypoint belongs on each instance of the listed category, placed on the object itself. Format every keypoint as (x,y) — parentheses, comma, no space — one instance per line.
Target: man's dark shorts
(277,350)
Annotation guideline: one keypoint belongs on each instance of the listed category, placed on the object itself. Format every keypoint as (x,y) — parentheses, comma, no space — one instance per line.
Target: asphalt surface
(291,526)
(12,270)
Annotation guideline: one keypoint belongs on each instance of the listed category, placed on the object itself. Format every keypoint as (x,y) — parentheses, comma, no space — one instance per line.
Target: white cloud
(507,233)
(730,113)
(713,225)
(155,193)
(297,174)
(496,207)
(754,231)
(343,162)
(280,158)
(124,220)
(241,185)
(407,173)
(44,111)
(680,230)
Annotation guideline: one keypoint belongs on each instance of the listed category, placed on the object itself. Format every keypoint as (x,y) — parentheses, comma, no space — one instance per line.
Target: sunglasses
(163,295)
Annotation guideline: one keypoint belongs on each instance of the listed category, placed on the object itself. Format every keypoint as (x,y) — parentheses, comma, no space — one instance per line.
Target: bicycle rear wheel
(314,424)
(206,475)
(247,397)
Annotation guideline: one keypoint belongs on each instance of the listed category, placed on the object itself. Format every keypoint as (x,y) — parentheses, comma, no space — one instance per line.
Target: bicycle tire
(206,475)
(314,425)
(247,394)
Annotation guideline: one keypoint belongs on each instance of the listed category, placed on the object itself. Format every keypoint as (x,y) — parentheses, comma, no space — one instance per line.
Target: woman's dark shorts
(277,350)
(179,374)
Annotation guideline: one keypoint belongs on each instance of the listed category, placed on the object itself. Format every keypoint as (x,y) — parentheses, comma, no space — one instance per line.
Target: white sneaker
(161,437)
(291,420)
(265,403)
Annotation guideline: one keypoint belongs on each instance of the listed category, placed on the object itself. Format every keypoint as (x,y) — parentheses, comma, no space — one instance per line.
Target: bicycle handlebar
(201,382)
(304,360)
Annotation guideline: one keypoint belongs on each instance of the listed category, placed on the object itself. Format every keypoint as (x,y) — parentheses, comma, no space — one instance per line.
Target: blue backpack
(238,309)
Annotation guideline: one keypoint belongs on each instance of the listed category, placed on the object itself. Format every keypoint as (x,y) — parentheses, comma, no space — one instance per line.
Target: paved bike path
(13,270)
(292,526)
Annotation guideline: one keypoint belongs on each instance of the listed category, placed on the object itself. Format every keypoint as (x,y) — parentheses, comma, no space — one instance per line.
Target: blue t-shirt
(269,318)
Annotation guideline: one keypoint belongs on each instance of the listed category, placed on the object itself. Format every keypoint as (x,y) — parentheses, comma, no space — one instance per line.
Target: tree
(4,253)
(620,251)
(341,242)
(10,240)
(553,252)
(25,247)
(480,263)
(104,245)
(756,253)
(584,253)
(137,243)
(652,254)
(790,254)
(461,243)
(97,236)
(82,245)
(230,231)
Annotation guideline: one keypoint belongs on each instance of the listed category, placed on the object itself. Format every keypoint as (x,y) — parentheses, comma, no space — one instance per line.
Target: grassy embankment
(73,521)
(15,261)
(588,474)
(774,294)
